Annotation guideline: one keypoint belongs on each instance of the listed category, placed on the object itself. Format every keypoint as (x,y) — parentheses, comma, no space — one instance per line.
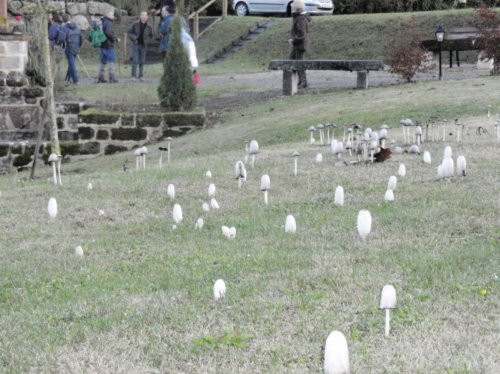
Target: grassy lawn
(141,301)
(141,298)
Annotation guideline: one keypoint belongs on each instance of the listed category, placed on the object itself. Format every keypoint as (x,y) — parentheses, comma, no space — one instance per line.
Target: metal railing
(196,18)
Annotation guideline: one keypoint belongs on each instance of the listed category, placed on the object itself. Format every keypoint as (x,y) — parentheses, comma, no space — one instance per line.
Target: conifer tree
(177,91)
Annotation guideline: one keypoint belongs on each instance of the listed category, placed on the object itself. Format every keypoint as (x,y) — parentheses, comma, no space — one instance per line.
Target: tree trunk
(49,81)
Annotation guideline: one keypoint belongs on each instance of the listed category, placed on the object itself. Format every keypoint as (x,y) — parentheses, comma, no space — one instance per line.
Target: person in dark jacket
(107,49)
(72,41)
(299,39)
(55,23)
(140,34)
(168,14)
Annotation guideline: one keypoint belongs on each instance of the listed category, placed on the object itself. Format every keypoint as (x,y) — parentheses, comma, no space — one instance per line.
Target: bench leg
(290,82)
(362,80)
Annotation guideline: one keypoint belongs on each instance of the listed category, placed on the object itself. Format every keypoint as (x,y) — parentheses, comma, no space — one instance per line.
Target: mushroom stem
(168,153)
(265,197)
(404,135)
(54,171)
(295,166)
(144,161)
(387,321)
(239,182)
(161,155)
(252,162)
(444,132)
(59,171)
(137,162)
(418,139)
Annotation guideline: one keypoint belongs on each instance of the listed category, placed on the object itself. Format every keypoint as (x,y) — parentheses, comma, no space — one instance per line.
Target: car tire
(241,9)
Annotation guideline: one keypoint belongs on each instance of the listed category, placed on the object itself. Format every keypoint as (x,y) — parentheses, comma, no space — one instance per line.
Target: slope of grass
(141,298)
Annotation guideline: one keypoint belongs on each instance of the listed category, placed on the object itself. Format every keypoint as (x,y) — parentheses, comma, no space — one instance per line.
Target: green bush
(177,91)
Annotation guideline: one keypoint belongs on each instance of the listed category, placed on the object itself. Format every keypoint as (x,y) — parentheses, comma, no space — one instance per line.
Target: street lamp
(440,38)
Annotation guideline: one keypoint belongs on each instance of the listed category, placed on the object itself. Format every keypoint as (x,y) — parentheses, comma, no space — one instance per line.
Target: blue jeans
(71,74)
(106,56)
(138,58)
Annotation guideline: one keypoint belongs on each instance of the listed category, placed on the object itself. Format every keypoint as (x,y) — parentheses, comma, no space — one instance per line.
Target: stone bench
(291,78)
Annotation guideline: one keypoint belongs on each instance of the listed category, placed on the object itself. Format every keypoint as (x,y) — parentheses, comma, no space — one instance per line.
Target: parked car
(248,7)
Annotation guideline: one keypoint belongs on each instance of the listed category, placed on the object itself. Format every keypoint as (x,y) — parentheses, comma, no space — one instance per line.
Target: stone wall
(84,129)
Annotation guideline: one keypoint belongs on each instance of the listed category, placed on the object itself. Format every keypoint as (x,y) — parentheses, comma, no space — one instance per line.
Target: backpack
(61,36)
(97,36)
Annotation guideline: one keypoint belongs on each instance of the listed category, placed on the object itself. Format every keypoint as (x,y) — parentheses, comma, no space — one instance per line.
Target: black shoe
(101,79)
(303,85)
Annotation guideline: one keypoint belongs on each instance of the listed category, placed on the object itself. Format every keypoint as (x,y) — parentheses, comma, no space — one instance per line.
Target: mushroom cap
(402,170)
(320,126)
(388,297)
(78,251)
(414,149)
(295,154)
(265,183)
(208,174)
(312,128)
(339,196)
(290,224)
(214,204)
(205,207)
(382,134)
(239,170)
(137,152)
(349,129)
(364,223)
(53,157)
(447,152)
(427,157)
(163,148)
(418,130)
(211,189)
(177,213)
(199,224)
(448,167)
(336,354)
(319,157)
(389,195)
(144,150)
(393,181)
(52,207)
(219,289)
(406,122)
(398,150)
(171,191)
(384,127)
(253,147)
(168,138)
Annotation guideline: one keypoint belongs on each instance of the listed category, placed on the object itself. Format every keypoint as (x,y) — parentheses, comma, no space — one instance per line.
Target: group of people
(64,34)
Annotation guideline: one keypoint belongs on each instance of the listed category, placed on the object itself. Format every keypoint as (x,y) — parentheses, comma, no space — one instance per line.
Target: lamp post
(440,38)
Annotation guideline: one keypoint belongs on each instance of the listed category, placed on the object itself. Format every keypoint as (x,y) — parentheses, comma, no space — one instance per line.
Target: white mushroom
(402,170)
(393,181)
(388,302)
(89,186)
(290,224)
(406,123)
(240,173)
(143,152)
(205,207)
(265,186)
(389,196)
(319,158)
(219,289)
(427,157)
(225,231)
(461,166)
(418,134)
(199,224)
(208,174)
(214,204)
(177,213)
(171,191)
(52,207)
(448,167)
(364,223)
(339,196)
(320,128)
(336,354)
(211,190)
(78,251)
(447,152)
(253,149)
(53,159)
(414,149)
